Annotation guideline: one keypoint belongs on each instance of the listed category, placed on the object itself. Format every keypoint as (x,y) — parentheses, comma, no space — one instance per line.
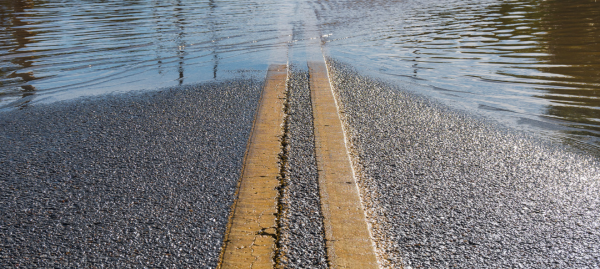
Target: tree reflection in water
(533,64)
(573,40)
(11,19)
(532,59)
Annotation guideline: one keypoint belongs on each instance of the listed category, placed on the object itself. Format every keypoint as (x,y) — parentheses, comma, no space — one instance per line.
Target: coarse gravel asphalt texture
(444,189)
(302,243)
(130,180)
(148,179)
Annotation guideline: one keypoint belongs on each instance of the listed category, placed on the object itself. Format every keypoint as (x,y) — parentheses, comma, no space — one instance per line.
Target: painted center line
(251,236)
(252,232)
(347,236)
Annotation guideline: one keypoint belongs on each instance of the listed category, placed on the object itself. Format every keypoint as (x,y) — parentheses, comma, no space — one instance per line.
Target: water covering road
(531,64)
(441,187)
(534,65)
(64,49)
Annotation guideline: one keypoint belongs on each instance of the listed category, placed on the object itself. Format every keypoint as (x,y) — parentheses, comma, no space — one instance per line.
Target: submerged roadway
(152,179)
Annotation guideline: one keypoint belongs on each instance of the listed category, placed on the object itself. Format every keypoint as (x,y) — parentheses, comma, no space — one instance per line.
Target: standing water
(534,65)
(53,50)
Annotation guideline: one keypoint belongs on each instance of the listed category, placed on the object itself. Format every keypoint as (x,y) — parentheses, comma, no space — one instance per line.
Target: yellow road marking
(250,237)
(347,236)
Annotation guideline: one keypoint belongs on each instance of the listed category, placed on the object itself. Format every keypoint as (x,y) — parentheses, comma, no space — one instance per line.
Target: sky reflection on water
(531,64)
(63,49)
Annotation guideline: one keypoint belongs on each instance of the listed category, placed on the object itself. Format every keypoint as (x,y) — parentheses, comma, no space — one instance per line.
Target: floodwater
(533,65)
(54,50)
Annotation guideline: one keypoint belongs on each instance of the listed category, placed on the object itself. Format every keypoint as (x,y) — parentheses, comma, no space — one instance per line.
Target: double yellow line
(250,240)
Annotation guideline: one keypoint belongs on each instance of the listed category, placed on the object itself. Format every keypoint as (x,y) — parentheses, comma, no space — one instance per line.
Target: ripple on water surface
(61,49)
(532,64)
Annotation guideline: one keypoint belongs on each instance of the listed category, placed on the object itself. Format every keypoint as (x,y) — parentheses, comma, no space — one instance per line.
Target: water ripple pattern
(61,49)
(532,64)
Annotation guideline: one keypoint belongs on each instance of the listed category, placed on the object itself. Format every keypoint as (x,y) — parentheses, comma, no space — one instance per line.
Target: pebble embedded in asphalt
(127,180)
(445,189)
(302,234)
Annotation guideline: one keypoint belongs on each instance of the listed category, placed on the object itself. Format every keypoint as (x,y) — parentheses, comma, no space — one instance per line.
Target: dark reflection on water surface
(63,49)
(573,41)
(532,64)
(17,35)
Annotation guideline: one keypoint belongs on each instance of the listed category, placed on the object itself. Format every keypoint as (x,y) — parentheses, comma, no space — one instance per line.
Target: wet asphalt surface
(122,181)
(147,180)
(444,189)
(302,233)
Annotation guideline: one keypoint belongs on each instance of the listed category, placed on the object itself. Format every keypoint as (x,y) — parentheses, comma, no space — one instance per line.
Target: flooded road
(533,65)
(60,50)
(146,172)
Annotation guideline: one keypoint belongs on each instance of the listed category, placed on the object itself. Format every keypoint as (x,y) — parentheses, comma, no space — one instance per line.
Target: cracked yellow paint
(348,240)
(250,238)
